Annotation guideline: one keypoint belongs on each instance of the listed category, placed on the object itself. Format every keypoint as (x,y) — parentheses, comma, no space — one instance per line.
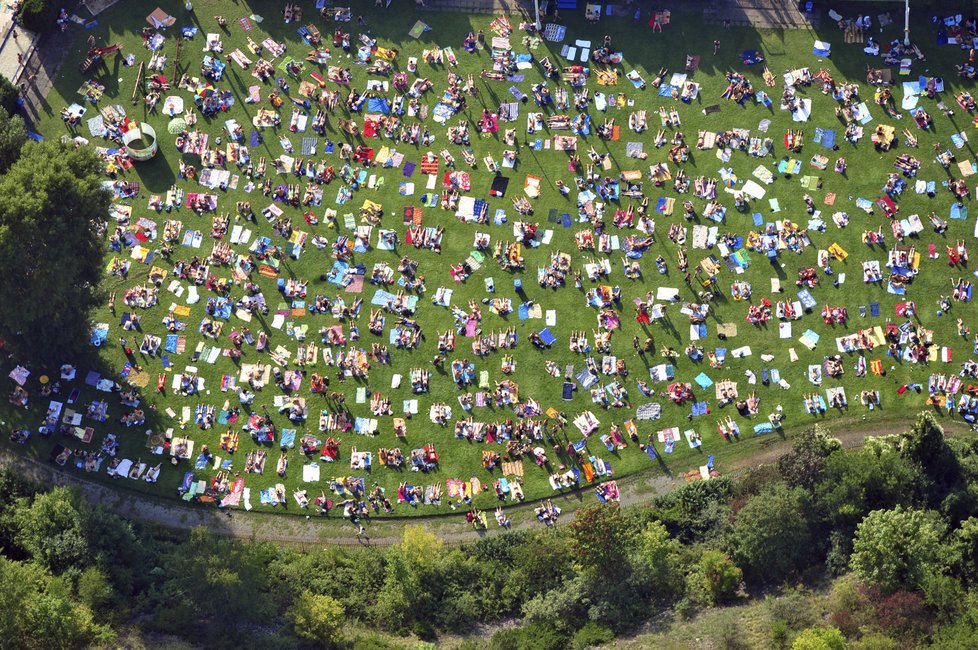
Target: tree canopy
(772,537)
(896,548)
(52,214)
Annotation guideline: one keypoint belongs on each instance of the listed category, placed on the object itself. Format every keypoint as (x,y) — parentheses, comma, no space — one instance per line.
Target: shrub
(39,15)
(820,638)
(780,634)
(531,637)
(715,579)
(794,608)
(592,634)
(903,615)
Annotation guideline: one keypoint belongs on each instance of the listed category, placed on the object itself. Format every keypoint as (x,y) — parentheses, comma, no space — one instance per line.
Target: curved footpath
(315,531)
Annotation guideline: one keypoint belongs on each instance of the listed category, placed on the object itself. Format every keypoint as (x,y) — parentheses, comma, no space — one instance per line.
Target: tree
(896,548)
(37,611)
(219,582)
(820,638)
(49,531)
(95,590)
(854,483)
(404,597)
(772,536)
(562,608)
(658,558)
(600,537)
(9,94)
(924,446)
(13,136)
(318,619)
(538,567)
(39,15)
(696,511)
(420,547)
(52,218)
(966,550)
(802,466)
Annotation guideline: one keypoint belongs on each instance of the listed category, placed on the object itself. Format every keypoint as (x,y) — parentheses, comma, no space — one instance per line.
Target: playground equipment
(140,142)
(97,55)
(104,51)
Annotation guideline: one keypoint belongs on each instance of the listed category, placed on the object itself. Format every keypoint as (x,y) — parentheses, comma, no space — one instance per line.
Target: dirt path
(311,531)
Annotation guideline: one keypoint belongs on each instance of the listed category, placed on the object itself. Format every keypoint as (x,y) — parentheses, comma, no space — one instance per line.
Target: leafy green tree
(658,557)
(49,531)
(462,590)
(802,466)
(820,638)
(52,219)
(924,445)
(318,619)
(219,582)
(962,632)
(39,15)
(538,566)
(561,608)
(13,136)
(945,595)
(772,536)
(965,550)
(896,548)
(696,512)
(600,537)
(392,608)
(854,483)
(414,583)
(95,590)
(38,611)
(349,576)
(9,93)
(19,583)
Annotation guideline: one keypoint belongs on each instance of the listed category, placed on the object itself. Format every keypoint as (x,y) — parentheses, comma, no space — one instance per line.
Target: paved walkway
(15,40)
(41,58)
(762,14)
(512,8)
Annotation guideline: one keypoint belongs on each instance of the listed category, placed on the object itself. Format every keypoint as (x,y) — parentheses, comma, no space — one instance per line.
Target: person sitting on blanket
(959,188)
(923,119)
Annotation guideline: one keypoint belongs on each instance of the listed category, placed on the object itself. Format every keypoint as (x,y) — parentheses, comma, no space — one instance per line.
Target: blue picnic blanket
(703,380)
(378,105)
(807,301)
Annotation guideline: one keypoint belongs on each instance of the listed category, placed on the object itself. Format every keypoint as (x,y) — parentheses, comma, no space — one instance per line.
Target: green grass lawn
(644,51)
